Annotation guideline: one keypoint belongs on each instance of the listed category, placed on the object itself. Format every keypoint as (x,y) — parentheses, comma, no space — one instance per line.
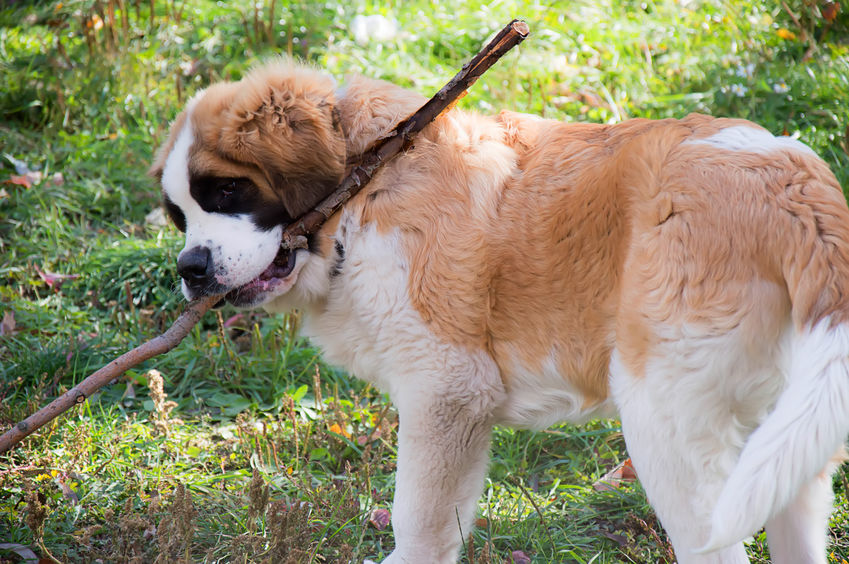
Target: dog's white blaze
(240,250)
(745,138)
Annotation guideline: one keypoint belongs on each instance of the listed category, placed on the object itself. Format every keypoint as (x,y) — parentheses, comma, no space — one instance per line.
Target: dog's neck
(369,109)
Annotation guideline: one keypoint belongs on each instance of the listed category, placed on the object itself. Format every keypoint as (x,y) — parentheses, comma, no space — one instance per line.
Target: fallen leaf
(829,11)
(7,326)
(156,217)
(53,279)
(24,552)
(67,492)
(621,540)
(519,557)
(26,180)
(380,518)
(623,472)
(129,392)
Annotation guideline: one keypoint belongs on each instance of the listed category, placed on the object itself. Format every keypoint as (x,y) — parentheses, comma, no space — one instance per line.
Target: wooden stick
(294,236)
(82,391)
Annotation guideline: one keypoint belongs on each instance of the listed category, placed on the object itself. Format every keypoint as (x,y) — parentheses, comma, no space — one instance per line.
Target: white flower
(746,71)
(186,67)
(780,87)
(739,90)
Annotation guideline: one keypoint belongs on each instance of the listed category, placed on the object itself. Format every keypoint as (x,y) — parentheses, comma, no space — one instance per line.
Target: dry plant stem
(79,393)
(361,172)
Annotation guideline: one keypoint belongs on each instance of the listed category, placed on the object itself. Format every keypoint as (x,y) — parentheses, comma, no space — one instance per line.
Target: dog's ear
(285,123)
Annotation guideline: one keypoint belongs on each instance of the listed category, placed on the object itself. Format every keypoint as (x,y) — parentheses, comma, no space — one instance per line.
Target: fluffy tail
(794,443)
(810,421)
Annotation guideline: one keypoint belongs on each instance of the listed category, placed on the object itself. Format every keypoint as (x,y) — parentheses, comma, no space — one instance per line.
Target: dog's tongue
(280,267)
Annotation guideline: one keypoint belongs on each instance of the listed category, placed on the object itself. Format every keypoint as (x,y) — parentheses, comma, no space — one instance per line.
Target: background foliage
(248,448)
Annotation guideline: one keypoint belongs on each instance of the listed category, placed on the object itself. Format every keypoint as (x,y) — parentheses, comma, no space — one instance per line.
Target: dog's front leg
(443,450)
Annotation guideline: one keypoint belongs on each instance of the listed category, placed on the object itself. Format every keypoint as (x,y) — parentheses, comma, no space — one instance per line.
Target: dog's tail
(810,420)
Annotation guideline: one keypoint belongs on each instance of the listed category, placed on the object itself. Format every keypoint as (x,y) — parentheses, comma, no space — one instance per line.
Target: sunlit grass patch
(87,89)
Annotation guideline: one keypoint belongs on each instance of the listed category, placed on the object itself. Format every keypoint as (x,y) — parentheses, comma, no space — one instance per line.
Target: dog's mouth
(270,279)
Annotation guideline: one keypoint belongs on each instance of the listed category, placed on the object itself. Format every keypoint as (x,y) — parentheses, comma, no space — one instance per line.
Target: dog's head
(242,161)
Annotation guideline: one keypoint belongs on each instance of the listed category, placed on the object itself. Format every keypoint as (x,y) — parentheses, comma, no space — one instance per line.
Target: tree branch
(82,391)
(361,172)
(294,236)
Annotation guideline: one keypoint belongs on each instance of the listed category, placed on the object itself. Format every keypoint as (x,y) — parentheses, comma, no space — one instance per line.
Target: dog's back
(699,266)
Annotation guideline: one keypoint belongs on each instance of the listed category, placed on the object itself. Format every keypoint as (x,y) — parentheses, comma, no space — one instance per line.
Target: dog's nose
(195,266)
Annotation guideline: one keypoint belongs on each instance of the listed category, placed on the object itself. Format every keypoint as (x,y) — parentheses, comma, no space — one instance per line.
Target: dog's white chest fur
(367,324)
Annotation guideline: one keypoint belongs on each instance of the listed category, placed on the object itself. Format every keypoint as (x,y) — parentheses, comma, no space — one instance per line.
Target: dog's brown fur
(545,266)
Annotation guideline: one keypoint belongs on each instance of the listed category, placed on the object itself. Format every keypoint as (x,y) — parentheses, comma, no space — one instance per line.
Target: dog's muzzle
(196,269)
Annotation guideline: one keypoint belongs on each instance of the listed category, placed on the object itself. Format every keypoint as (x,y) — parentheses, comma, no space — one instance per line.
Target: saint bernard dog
(689,276)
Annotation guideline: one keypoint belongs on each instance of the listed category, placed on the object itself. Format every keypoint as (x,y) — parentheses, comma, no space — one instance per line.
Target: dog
(690,277)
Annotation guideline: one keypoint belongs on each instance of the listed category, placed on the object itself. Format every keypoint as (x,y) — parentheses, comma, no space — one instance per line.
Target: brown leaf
(53,279)
(621,540)
(829,11)
(623,472)
(7,326)
(67,492)
(26,180)
(380,518)
(130,391)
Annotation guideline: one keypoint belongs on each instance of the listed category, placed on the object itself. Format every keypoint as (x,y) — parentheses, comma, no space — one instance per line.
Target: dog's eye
(224,194)
(227,188)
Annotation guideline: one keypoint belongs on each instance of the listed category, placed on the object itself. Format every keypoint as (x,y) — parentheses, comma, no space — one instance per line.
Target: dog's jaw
(276,280)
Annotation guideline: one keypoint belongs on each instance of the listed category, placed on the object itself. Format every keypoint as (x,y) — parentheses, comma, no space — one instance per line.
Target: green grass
(123,478)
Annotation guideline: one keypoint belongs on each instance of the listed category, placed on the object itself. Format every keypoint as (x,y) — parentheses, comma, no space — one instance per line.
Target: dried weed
(175,531)
(162,406)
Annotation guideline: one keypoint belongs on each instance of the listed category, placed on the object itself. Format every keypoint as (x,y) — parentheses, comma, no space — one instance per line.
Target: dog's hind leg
(672,463)
(443,451)
(686,413)
(798,533)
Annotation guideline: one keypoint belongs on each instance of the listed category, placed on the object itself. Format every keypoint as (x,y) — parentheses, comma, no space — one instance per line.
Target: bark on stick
(79,393)
(294,236)
(360,173)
